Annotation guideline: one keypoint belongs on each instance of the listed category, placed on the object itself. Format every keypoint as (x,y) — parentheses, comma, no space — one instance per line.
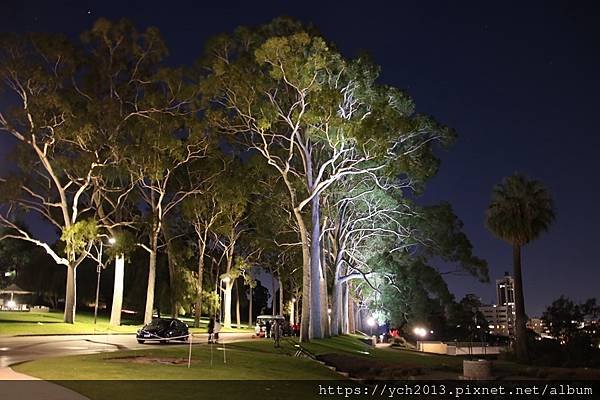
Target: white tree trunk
(238,317)
(315,271)
(345,309)
(305,318)
(150,289)
(325,314)
(250,308)
(117,301)
(227,305)
(198,309)
(336,307)
(274,298)
(70,295)
(280,295)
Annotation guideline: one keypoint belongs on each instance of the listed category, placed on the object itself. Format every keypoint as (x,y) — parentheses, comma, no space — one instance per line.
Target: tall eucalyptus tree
(316,118)
(57,154)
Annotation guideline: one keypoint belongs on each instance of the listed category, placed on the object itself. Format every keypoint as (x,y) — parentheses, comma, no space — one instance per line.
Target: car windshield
(158,323)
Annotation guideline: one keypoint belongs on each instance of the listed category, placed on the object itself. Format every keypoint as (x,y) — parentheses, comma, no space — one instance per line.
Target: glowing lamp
(420,331)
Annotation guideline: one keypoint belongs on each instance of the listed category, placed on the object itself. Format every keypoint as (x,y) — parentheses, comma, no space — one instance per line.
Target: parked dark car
(163,330)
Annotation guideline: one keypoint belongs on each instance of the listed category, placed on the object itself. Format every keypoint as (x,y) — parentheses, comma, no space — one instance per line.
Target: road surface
(17,349)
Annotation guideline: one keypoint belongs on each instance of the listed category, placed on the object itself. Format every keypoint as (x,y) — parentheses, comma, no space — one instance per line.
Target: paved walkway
(8,374)
(14,385)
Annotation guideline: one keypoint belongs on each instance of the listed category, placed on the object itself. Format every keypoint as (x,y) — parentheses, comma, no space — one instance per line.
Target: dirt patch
(150,360)
(364,368)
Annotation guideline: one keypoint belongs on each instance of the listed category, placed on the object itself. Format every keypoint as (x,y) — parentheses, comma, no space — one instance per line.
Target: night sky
(518,81)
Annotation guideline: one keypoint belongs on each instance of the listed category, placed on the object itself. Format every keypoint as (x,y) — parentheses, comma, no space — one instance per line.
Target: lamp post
(98,269)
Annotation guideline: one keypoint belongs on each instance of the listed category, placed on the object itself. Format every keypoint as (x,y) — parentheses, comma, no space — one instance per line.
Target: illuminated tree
(57,155)
(203,211)
(316,118)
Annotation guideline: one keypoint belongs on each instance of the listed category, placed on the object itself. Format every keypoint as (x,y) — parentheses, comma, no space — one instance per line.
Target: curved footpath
(14,385)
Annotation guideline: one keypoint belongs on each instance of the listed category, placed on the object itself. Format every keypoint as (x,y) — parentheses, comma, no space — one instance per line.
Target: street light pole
(98,269)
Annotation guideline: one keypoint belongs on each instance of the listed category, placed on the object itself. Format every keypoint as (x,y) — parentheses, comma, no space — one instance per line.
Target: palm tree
(520,210)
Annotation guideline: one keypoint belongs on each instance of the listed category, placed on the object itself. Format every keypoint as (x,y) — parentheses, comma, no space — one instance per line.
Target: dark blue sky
(519,81)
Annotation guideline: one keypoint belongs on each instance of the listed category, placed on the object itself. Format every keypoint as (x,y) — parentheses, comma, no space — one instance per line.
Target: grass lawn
(39,323)
(352,346)
(435,362)
(253,370)
(164,373)
(254,361)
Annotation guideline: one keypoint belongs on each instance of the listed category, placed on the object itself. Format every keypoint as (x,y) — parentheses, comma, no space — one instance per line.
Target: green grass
(39,323)
(340,344)
(424,360)
(352,346)
(254,370)
(255,361)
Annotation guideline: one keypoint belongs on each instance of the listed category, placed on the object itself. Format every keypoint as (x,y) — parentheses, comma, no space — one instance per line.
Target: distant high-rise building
(500,319)
(505,291)
(501,316)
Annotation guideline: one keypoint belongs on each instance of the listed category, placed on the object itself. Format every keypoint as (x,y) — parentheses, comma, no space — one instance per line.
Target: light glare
(420,331)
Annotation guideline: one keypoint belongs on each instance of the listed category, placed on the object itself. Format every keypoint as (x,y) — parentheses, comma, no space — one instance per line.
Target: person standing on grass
(268,329)
(257,329)
(211,330)
(277,331)
(217,330)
